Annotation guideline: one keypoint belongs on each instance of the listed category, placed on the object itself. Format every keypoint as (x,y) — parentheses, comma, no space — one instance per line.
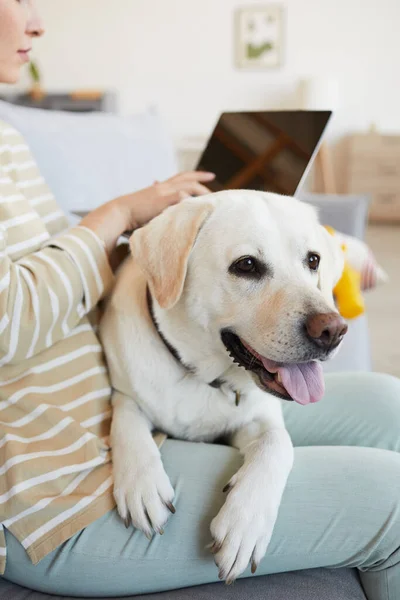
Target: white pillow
(90,158)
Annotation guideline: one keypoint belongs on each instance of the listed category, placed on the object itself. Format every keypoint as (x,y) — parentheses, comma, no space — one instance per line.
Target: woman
(342,503)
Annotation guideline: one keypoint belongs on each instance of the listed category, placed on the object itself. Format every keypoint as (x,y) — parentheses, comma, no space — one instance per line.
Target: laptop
(265,150)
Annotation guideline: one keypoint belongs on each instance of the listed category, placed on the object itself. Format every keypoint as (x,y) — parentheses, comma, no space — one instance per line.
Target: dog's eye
(250,267)
(247,264)
(313,261)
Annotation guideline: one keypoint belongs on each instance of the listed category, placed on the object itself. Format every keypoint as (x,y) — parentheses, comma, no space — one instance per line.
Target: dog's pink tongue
(304,382)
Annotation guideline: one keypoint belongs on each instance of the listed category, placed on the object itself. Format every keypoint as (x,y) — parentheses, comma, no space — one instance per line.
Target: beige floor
(383,303)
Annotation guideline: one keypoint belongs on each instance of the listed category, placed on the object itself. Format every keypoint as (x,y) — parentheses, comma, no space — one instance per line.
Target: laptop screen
(270,151)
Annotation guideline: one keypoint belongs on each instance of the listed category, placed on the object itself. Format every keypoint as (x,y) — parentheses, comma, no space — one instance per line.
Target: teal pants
(341,507)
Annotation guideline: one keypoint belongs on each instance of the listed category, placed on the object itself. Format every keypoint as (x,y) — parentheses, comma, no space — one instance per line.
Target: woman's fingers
(180,187)
(184,189)
(202,176)
(172,197)
(197,189)
(192,188)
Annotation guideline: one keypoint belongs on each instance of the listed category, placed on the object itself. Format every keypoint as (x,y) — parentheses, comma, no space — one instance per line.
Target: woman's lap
(359,409)
(335,510)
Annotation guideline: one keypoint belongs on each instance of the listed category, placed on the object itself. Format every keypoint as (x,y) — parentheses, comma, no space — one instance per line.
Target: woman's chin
(10,75)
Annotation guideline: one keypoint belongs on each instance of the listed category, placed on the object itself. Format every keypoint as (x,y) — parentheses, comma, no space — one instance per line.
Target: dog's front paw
(243,527)
(144,495)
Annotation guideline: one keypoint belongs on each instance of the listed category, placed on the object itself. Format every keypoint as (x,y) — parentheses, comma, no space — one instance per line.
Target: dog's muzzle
(302,382)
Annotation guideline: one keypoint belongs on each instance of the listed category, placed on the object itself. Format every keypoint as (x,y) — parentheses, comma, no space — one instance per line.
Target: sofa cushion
(354,354)
(316,584)
(90,158)
(346,213)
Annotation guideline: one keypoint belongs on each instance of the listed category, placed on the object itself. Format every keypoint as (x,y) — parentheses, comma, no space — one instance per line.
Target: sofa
(88,159)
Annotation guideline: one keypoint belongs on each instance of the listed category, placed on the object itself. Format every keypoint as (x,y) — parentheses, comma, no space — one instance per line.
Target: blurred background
(180,56)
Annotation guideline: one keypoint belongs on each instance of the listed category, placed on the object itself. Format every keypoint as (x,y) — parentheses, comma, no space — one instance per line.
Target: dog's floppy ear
(162,248)
(332,263)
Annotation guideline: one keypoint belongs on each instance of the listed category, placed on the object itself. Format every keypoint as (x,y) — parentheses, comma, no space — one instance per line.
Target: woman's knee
(379,499)
(361,489)
(371,403)
(359,409)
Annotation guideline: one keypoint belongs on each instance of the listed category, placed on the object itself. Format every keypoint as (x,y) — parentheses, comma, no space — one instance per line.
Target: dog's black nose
(326,330)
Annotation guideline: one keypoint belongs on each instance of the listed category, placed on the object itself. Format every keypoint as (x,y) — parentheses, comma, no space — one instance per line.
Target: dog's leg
(142,489)
(243,528)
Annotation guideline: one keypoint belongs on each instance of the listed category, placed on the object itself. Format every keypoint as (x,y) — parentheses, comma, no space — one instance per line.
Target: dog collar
(216,383)
(169,346)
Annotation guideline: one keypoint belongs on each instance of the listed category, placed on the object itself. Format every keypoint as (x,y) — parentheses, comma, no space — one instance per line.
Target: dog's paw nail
(221,575)
(148,535)
(254,566)
(227,487)
(215,547)
(171,507)
(127,521)
(160,530)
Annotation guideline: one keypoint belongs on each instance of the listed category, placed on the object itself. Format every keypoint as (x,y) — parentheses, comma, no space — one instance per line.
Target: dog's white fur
(184,256)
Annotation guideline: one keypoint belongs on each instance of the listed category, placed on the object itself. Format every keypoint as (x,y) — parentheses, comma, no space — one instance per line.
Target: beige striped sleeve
(44,295)
(18,164)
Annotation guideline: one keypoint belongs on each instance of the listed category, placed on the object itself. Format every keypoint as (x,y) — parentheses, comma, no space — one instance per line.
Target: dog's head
(254,273)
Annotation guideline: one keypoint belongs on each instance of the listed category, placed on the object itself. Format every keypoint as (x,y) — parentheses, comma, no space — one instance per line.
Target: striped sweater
(55,469)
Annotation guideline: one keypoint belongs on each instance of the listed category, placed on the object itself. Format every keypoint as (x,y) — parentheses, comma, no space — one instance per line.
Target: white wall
(178,54)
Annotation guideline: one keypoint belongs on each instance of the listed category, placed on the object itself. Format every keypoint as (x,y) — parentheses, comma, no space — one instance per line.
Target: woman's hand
(128,212)
(148,203)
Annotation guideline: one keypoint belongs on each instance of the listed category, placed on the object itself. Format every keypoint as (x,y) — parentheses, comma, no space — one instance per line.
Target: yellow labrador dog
(224,310)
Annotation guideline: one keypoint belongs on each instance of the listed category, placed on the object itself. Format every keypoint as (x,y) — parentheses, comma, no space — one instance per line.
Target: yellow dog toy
(347,291)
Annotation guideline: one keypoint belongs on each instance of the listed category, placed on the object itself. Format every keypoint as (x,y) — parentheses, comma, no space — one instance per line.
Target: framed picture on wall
(259,37)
